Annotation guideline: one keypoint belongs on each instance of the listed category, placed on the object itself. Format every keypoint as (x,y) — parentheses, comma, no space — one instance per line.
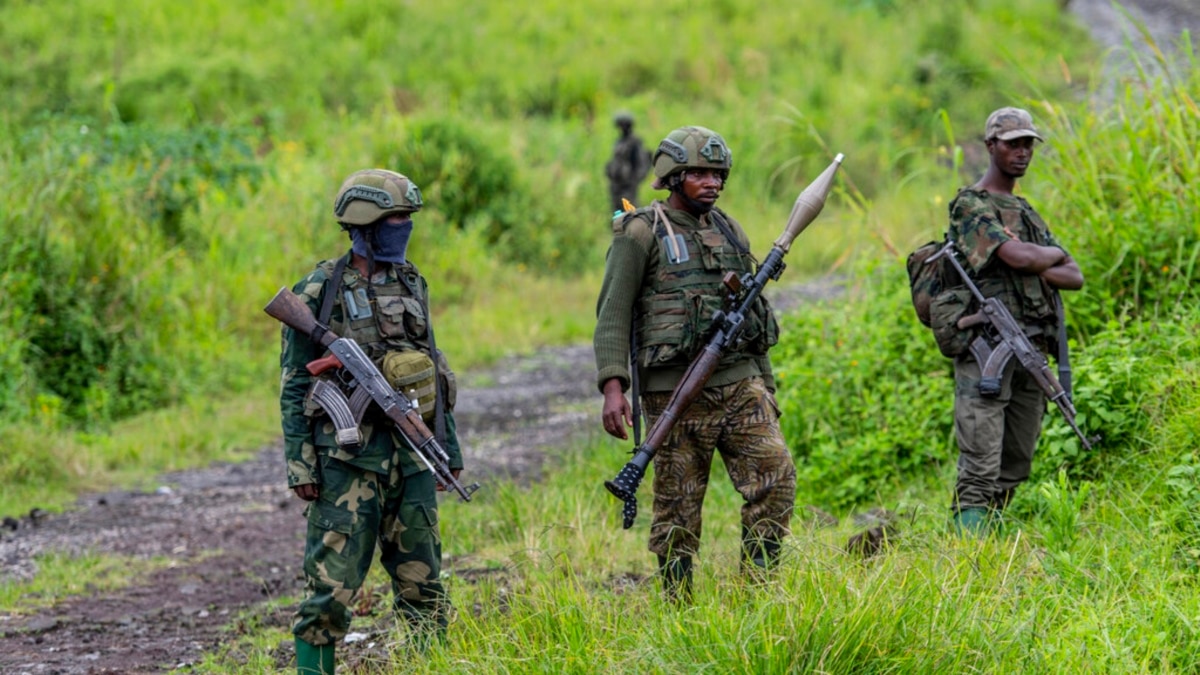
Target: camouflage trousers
(741,420)
(996,436)
(356,509)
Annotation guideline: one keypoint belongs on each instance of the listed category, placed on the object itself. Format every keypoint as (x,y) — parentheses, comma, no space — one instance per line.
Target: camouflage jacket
(395,320)
(978,220)
(673,301)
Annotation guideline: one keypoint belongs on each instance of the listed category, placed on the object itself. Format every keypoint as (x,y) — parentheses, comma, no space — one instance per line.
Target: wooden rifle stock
(289,309)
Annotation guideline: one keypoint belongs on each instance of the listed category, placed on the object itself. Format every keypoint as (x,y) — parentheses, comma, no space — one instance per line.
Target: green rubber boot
(971,522)
(313,660)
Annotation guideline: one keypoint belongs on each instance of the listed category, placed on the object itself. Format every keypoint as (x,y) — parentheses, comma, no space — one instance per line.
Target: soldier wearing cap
(366,486)
(664,275)
(629,164)
(1011,254)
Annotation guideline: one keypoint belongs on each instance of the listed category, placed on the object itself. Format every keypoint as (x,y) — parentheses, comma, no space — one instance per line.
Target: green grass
(60,577)
(164,178)
(544,580)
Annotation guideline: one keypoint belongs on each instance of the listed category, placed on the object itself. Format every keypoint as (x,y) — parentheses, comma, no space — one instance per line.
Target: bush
(865,394)
(99,222)
(1124,178)
(470,177)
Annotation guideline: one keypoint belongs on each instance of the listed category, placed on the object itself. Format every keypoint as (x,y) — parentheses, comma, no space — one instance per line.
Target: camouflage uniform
(997,435)
(627,168)
(379,492)
(736,414)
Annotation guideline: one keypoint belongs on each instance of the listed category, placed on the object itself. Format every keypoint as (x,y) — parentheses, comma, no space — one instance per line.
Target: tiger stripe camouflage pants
(741,421)
(356,509)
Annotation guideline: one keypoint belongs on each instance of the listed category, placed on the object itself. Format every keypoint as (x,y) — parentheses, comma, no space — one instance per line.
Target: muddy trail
(232,533)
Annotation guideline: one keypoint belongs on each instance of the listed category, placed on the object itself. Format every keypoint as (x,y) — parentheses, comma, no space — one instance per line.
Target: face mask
(390,241)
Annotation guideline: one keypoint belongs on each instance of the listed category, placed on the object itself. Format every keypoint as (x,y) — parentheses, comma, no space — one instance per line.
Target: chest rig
(684,289)
(389,319)
(1025,295)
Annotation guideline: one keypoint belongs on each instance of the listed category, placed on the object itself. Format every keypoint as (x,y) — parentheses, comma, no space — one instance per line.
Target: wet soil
(228,537)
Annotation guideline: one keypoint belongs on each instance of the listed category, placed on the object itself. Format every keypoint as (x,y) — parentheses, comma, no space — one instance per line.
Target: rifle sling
(327,302)
(725,230)
(1064,352)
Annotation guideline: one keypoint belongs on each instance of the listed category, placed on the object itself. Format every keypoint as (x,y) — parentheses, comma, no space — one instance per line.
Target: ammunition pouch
(946,308)
(412,373)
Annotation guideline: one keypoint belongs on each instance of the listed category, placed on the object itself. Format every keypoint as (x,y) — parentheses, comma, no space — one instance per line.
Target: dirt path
(233,533)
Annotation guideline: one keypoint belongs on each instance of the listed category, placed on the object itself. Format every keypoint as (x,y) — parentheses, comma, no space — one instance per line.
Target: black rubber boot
(999,502)
(759,555)
(676,579)
(1001,499)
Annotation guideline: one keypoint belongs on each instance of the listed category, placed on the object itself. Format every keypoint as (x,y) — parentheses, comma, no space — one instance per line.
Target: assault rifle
(1002,340)
(727,327)
(345,353)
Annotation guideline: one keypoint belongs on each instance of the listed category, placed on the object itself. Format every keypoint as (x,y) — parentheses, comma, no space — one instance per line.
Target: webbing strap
(331,292)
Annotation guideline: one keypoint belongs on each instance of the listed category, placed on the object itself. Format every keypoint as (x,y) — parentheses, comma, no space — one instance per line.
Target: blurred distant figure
(630,163)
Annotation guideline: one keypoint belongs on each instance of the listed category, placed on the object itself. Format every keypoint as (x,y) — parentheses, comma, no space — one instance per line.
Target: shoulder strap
(661,216)
(723,226)
(335,287)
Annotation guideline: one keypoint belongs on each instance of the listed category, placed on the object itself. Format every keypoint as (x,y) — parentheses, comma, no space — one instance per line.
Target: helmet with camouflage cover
(371,194)
(690,148)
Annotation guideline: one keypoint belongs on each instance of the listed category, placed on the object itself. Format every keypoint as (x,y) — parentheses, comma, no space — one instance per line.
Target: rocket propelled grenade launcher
(728,326)
(345,353)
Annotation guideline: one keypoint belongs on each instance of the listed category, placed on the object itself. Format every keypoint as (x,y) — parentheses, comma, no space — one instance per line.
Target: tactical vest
(676,307)
(1025,295)
(396,322)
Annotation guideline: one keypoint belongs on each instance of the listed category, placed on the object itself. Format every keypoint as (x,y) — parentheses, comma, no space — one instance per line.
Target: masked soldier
(664,274)
(629,165)
(1011,254)
(364,484)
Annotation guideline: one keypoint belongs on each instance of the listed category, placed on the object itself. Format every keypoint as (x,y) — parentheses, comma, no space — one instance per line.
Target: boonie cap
(1009,123)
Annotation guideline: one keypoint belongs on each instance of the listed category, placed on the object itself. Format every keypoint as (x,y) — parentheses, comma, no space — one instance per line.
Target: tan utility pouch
(411,374)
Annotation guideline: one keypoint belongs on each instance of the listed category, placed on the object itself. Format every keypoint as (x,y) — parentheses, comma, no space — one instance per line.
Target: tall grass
(544,580)
(164,176)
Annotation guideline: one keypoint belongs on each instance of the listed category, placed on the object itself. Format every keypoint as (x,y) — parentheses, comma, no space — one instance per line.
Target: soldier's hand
(617,415)
(453,472)
(308,492)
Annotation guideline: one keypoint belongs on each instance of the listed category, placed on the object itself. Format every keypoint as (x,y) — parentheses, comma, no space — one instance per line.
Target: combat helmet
(690,148)
(371,194)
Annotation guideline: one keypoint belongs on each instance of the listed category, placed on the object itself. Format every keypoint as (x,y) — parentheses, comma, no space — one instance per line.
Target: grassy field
(163,178)
(166,177)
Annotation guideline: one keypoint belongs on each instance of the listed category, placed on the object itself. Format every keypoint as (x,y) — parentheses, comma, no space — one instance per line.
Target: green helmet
(690,148)
(371,194)
(622,118)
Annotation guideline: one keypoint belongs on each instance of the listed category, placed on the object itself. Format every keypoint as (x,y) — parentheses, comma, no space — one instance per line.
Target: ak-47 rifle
(345,353)
(1002,340)
(727,327)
